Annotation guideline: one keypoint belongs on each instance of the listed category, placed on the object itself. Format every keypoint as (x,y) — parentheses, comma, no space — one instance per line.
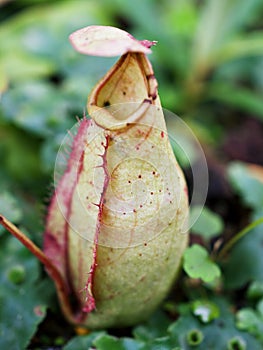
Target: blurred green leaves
(44,86)
(208,224)
(9,206)
(245,261)
(186,333)
(247,185)
(219,27)
(251,320)
(23,299)
(205,40)
(242,98)
(216,334)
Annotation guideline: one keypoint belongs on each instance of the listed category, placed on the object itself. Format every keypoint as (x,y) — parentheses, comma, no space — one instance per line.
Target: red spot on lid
(162,134)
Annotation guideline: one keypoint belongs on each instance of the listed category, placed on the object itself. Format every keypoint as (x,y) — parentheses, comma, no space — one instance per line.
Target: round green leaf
(208,224)
(197,264)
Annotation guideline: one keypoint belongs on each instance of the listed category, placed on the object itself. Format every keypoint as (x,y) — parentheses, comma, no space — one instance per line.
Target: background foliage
(209,64)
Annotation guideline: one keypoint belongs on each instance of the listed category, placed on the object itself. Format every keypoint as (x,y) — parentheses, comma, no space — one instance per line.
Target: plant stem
(238,236)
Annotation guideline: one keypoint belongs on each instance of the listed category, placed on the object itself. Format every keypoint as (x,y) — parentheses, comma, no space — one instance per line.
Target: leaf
(237,97)
(39,106)
(9,206)
(108,342)
(245,261)
(255,290)
(155,327)
(251,320)
(82,342)
(22,298)
(14,150)
(249,45)
(184,334)
(216,335)
(164,343)
(246,184)
(205,310)
(197,264)
(35,35)
(182,17)
(208,224)
(151,335)
(224,19)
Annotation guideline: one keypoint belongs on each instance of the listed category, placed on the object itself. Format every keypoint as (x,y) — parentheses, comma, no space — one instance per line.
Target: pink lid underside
(107,42)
